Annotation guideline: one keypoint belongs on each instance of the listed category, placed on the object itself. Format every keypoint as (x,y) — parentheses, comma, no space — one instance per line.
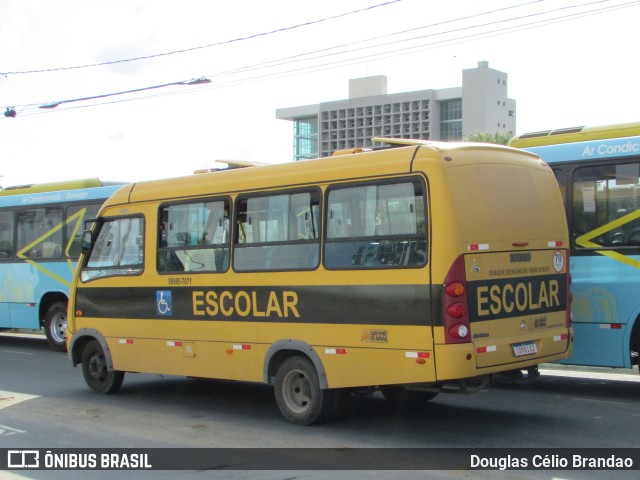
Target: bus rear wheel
(55,326)
(299,396)
(94,368)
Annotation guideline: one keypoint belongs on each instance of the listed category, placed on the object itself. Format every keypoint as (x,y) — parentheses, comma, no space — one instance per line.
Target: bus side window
(603,194)
(6,235)
(193,237)
(39,232)
(278,232)
(376,226)
(75,216)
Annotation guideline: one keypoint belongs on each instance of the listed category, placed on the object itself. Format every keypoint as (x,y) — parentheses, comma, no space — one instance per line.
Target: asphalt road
(44,403)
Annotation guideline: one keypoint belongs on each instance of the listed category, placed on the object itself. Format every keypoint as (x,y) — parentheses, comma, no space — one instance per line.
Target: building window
(305,138)
(451,120)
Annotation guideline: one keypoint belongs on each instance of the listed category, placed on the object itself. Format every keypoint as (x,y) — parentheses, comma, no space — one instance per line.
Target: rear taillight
(455,308)
(459,331)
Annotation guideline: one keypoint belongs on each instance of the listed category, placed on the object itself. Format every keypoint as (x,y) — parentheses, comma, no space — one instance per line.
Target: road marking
(6,431)
(7,399)
(22,335)
(14,476)
(16,352)
(622,377)
(35,336)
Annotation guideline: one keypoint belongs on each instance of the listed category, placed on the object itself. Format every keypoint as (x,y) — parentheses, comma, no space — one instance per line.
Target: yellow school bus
(412,269)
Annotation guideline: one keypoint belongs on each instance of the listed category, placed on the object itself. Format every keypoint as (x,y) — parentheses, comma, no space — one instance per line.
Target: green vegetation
(499,138)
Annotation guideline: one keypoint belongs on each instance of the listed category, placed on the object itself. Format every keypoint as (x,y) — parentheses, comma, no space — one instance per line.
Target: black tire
(299,396)
(94,368)
(398,395)
(55,326)
(634,346)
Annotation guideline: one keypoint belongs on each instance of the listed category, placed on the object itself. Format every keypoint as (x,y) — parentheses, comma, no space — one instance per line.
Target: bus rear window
(496,200)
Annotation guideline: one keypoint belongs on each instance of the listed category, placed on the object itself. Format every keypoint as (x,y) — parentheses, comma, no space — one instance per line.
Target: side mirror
(87,236)
(87,240)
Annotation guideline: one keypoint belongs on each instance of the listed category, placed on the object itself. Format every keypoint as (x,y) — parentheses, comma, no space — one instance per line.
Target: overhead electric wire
(134,90)
(542,22)
(216,44)
(393,53)
(294,58)
(422,47)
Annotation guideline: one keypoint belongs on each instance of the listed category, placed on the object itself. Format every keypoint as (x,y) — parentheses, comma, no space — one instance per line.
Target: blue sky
(569,62)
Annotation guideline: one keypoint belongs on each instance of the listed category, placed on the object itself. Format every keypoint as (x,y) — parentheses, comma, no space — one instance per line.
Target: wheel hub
(297,391)
(96,368)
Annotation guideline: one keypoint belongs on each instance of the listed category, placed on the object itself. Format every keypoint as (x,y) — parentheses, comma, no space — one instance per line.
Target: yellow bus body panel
(348,354)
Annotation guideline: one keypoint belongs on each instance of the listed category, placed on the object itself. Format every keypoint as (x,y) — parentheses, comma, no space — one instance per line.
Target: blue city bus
(600,182)
(41,230)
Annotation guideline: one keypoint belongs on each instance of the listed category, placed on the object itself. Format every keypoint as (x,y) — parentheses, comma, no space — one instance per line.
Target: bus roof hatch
(401,141)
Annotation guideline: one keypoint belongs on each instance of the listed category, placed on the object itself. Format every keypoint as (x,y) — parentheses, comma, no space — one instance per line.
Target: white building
(481,104)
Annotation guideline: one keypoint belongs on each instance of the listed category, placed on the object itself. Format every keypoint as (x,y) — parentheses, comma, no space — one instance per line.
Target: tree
(483,137)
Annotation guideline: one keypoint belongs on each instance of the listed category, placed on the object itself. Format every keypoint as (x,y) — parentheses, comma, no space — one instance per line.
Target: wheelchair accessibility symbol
(163,303)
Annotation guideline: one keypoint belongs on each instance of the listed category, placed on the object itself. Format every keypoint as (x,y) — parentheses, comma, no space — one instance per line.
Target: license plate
(528,348)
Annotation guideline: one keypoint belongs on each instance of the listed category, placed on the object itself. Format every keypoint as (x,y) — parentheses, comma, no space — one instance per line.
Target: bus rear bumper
(461,361)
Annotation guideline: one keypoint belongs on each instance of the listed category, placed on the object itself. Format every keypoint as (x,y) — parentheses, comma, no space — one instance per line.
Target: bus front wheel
(299,396)
(55,326)
(94,368)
